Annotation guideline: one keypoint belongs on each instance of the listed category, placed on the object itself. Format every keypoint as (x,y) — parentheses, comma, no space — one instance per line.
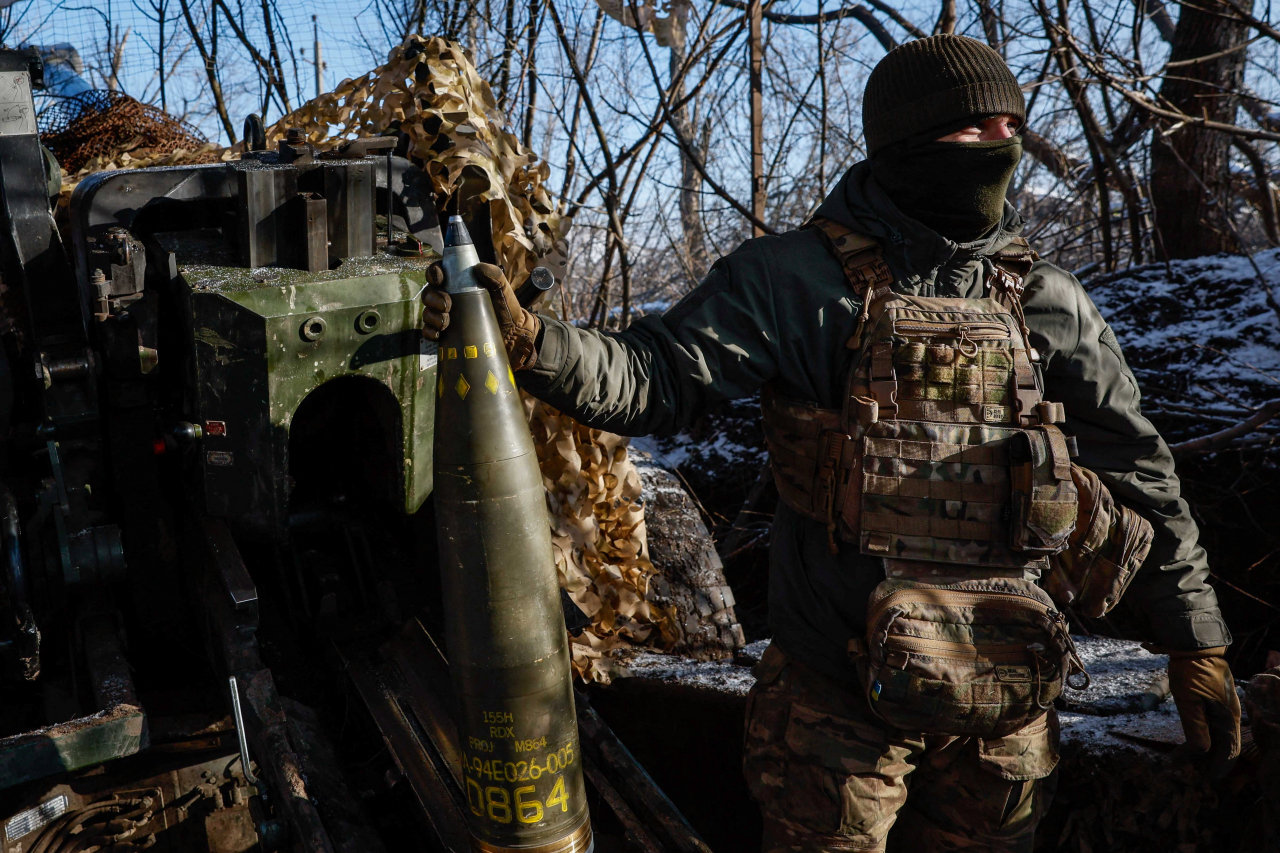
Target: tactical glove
(520,328)
(1205,693)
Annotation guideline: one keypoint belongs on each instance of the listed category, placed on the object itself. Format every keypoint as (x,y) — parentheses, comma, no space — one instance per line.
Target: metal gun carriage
(219,418)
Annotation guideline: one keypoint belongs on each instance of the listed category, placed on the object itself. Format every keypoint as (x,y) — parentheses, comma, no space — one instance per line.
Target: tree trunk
(690,180)
(508,48)
(946,19)
(755,78)
(531,96)
(1190,181)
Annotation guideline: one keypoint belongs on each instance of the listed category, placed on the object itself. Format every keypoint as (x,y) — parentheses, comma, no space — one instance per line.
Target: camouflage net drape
(100,130)
(432,92)
(598,535)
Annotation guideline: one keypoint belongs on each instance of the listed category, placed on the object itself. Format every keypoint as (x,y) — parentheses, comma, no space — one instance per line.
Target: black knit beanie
(933,82)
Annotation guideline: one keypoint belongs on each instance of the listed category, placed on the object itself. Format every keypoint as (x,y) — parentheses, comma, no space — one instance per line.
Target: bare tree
(676,128)
(1203,78)
(209,58)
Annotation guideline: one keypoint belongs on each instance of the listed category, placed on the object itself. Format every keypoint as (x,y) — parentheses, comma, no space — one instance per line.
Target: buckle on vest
(883,379)
(1027,400)
(1009,282)
(877,543)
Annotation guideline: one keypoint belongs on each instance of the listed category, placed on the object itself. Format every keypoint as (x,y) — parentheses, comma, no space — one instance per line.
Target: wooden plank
(439,807)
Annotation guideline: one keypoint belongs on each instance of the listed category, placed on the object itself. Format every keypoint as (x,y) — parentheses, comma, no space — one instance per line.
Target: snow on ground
(1159,728)
(652,469)
(729,440)
(1120,672)
(1199,333)
(725,676)
(680,449)
(1106,715)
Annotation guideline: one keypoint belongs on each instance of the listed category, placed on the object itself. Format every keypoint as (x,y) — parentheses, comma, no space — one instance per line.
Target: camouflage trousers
(828,775)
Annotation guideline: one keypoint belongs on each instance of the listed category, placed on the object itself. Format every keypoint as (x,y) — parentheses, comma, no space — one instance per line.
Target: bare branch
(1159,15)
(1215,440)
(688,148)
(265,64)
(1266,195)
(859,13)
(1049,155)
(210,69)
(611,197)
(946,19)
(897,18)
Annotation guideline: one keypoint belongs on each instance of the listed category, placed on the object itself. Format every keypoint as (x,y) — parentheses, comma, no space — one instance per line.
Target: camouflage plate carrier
(946,461)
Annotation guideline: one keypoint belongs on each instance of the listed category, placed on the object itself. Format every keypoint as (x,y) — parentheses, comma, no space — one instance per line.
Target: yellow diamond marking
(462,387)
(511,376)
(491,382)
(469,352)
(488,348)
(440,386)
(453,352)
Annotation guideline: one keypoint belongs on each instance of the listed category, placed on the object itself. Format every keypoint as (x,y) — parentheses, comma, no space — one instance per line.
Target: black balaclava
(927,88)
(955,188)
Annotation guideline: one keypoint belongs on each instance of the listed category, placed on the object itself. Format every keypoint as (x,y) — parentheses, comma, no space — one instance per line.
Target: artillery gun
(217,416)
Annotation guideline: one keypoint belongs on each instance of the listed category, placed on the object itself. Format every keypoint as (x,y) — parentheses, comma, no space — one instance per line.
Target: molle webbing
(943,384)
(916,463)
(814,459)
(917,475)
(860,257)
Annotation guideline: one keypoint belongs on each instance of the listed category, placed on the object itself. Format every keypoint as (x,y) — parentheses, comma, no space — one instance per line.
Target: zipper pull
(1071,661)
(1077,669)
(1075,666)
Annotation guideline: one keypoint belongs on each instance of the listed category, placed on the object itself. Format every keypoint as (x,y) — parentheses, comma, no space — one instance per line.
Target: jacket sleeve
(1085,370)
(718,343)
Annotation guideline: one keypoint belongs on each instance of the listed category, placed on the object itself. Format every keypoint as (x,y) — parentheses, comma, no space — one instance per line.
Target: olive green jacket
(780,308)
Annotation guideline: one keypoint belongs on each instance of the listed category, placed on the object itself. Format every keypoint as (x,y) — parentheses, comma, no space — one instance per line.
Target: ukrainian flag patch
(875,691)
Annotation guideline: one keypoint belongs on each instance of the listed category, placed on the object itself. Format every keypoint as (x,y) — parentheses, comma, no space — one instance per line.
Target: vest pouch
(1108,547)
(938,493)
(1045,500)
(980,658)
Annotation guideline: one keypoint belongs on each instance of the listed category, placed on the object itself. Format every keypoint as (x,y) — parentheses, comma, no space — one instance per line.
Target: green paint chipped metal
(263,346)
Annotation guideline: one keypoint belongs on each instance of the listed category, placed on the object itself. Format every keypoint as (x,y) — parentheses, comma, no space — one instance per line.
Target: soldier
(942,118)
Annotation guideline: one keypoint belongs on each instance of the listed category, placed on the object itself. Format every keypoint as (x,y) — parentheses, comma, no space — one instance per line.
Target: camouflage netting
(598,535)
(431,92)
(99,130)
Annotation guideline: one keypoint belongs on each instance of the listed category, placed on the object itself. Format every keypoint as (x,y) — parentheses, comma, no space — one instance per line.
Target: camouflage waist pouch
(976,658)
